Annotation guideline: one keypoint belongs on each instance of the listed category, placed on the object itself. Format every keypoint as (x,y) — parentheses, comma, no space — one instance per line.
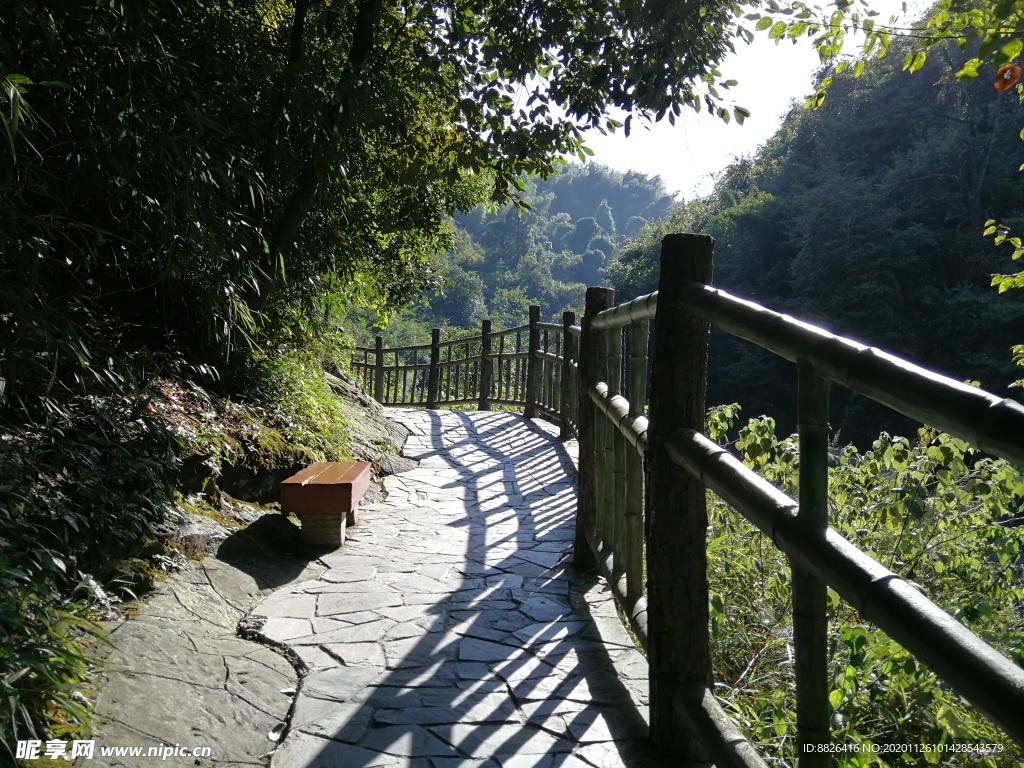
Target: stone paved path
(451,631)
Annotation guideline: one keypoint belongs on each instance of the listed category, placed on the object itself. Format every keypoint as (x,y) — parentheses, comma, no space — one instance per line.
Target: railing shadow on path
(451,630)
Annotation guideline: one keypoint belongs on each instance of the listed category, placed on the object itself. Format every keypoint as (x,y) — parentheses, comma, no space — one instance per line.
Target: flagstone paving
(450,631)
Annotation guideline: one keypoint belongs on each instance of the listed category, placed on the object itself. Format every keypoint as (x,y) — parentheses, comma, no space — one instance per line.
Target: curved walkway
(450,630)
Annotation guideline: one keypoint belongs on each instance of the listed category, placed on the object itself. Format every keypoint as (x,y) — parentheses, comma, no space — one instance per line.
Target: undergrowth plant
(288,386)
(83,492)
(933,510)
(87,487)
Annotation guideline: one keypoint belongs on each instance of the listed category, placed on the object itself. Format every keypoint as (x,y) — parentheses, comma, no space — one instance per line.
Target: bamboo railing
(645,467)
(532,366)
(671,622)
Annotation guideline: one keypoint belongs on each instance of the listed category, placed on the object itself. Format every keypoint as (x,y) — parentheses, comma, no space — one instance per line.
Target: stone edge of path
(178,673)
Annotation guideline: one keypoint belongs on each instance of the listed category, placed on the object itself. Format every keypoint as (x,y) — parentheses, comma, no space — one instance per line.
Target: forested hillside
(546,249)
(865,215)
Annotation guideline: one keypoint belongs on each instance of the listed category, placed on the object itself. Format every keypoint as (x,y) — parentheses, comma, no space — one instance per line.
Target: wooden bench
(324,497)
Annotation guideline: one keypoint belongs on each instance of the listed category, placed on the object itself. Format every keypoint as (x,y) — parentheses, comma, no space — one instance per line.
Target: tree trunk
(314,172)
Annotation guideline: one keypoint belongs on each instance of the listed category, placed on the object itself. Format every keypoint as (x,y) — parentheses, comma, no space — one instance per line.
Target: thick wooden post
(592,353)
(677,583)
(433,373)
(485,366)
(810,601)
(378,369)
(533,365)
(565,379)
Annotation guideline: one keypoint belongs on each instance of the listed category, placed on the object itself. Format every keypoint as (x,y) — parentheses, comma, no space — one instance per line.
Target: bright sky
(771,78)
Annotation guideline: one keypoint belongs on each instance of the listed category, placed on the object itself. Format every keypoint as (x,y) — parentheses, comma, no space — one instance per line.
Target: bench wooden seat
(324,497)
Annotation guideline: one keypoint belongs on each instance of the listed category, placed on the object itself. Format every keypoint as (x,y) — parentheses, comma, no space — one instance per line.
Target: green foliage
(82,497)
(1001,235)
(40,665)
(989,29)
(594,190)
(510,307)
(288,391)
(988,33)
(206,177)
(932,510)
(544,251)
(85,506)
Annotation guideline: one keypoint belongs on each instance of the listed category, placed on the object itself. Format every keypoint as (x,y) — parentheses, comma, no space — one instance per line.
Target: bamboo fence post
(679,653)
(378,370)
(634,490)
(517,385)
(433,379)
(810,599)
(498,387)
(485,366)
(592,352)
(565,379)
(446,374)
(387,385)
(533,365)
(548,373)
(542,367)
(415,394)
(400,388)
(615,535)
(601,542)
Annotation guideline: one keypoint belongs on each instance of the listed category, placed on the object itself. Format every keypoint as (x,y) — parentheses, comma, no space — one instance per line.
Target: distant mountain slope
(545,253)
(866,215)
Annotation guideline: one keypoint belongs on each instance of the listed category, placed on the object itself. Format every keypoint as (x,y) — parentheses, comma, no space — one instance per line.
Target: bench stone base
(322,530)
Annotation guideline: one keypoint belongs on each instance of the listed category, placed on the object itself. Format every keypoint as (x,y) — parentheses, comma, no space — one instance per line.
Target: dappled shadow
(451,630)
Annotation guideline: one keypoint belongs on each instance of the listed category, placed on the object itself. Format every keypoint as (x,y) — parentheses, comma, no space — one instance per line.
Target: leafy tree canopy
(218,172)
(545,251)
(991,30)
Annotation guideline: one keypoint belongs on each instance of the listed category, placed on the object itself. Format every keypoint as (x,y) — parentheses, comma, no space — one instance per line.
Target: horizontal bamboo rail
(989,422)
(417,348)
(642,308)
(617,409)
